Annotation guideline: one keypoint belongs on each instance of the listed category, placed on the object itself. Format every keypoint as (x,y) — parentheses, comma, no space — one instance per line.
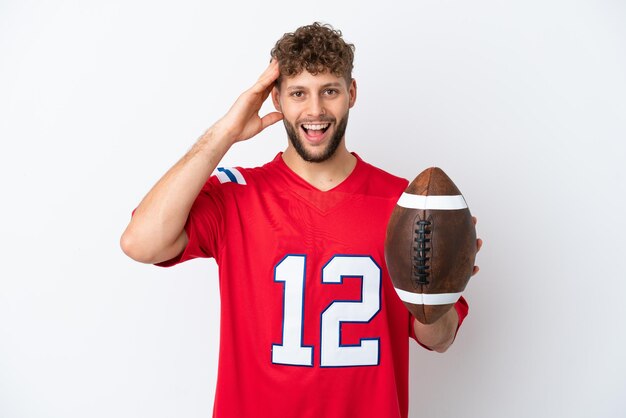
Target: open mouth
(315,130)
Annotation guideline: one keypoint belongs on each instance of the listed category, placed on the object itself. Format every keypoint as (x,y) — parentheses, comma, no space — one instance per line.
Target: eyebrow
(331,84)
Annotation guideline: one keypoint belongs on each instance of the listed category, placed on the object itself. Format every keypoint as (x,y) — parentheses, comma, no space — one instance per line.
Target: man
(311,325)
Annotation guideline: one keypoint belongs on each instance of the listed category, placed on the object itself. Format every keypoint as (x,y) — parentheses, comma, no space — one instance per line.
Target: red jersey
(311,325)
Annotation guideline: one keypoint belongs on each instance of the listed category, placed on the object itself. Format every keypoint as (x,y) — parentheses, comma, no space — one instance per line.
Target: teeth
(315,127)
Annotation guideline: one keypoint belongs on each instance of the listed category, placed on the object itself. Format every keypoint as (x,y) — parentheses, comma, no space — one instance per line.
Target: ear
(276,98)
(352,92)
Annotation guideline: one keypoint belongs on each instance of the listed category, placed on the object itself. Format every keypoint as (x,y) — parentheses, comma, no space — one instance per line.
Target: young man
(311,325)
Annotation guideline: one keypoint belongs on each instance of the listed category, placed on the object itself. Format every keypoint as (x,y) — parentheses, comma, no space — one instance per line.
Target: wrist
(218,137)
(439,335)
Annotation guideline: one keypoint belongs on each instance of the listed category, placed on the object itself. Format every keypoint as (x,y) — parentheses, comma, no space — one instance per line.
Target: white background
(521,102)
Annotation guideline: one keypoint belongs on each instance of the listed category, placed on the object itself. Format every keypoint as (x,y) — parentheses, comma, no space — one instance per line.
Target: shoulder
(385,183)
(242,179)
(234,175)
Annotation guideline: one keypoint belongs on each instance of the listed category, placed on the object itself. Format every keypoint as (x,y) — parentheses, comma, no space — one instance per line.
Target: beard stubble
(330,149)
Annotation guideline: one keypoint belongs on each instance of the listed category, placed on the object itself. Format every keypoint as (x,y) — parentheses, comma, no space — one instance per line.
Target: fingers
(270,119)
(479,244)
(267,79)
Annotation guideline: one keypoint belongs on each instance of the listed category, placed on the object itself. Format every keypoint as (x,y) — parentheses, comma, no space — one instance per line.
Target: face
(315,112)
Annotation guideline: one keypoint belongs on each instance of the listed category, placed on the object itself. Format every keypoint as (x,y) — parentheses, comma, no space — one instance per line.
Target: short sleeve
(204,225)
(462,309)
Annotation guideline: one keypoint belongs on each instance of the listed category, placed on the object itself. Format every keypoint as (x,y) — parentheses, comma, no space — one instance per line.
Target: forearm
(156,230)
(439,335)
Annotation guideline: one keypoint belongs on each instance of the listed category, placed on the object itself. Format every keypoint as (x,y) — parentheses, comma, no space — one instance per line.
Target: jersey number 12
(292,272)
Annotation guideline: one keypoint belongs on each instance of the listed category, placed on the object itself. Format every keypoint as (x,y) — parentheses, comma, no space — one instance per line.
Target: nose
(315,107)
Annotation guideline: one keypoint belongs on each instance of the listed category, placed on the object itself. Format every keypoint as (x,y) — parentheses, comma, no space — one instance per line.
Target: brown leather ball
(430,245)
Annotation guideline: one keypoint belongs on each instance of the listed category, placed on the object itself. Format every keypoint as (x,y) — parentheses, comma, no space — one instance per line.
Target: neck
(325,175)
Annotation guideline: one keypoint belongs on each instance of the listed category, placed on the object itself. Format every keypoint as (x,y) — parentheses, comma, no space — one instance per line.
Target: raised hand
(156,231)
(242,120)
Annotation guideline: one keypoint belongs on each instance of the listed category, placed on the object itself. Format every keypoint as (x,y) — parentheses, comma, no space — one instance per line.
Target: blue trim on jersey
(228,173)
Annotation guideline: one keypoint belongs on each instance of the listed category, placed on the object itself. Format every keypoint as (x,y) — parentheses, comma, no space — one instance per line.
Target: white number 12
(292,272)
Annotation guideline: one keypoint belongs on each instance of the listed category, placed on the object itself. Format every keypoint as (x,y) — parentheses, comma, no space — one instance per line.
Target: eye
(331,92)
(297,94)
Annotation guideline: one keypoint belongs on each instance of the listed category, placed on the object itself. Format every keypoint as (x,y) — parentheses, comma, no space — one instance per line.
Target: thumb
(270,119)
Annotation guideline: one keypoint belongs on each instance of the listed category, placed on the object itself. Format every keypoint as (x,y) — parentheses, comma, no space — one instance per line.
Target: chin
(323,152)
